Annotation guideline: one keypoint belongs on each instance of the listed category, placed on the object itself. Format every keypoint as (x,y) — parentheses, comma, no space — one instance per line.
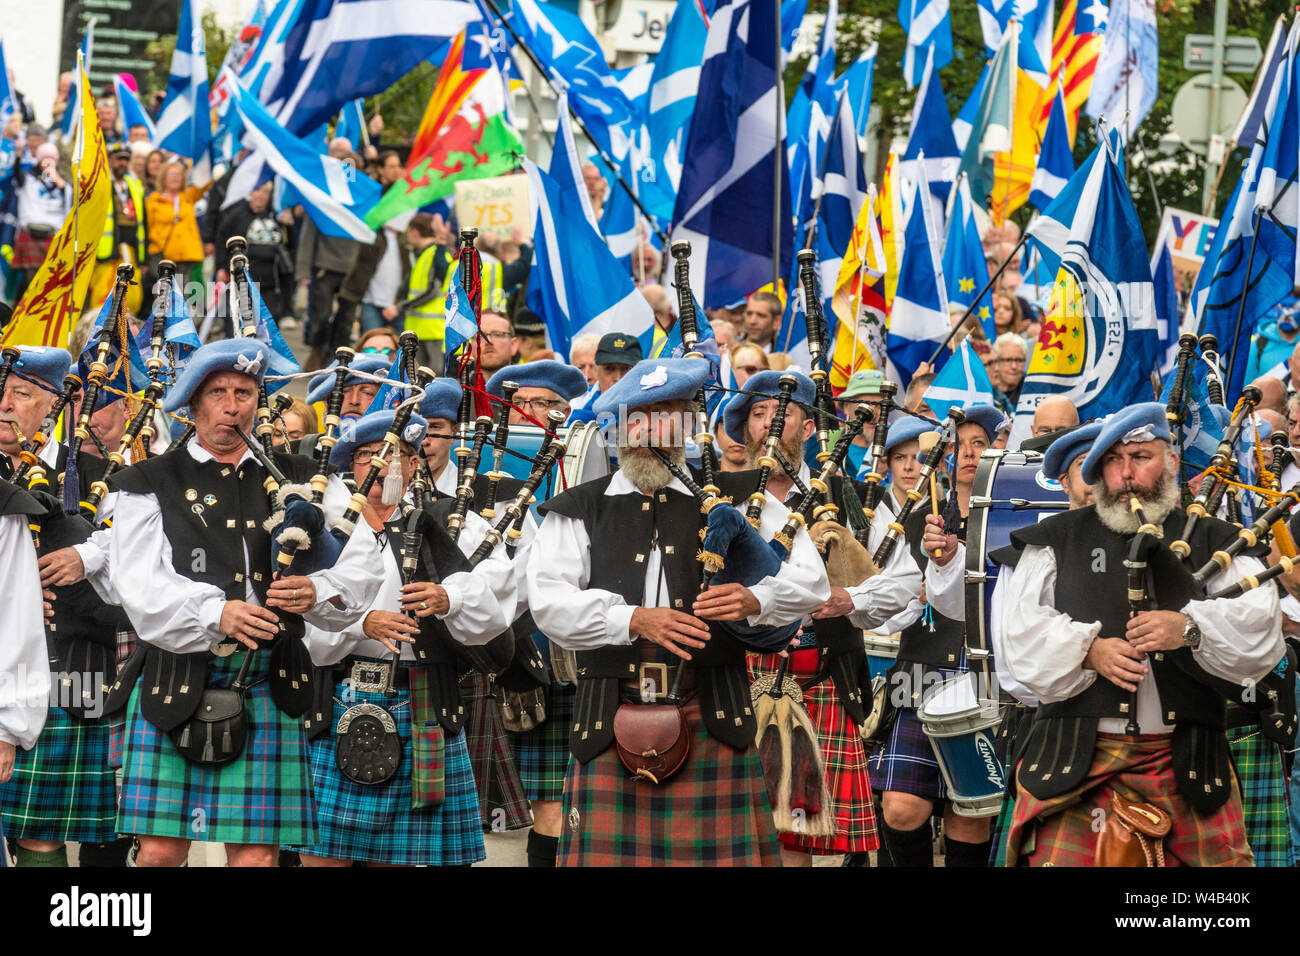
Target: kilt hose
(377,824)
(502,802)
(63,788)
(1262,778)
(263,797)
(845,758)
(713,812)
(1059,831)
(543,752)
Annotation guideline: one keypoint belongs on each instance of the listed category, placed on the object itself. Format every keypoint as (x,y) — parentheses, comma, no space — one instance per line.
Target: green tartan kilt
(543,752)
(713,812)
(1262,778)
(263,797)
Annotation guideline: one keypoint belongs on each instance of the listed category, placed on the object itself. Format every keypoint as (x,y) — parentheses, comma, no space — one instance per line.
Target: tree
(216,41)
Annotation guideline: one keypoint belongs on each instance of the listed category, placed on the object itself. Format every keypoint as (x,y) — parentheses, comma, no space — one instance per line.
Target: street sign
(1240,54)
(1191,111)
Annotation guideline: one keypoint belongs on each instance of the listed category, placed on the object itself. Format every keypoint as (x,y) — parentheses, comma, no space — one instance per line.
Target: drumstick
(934,506)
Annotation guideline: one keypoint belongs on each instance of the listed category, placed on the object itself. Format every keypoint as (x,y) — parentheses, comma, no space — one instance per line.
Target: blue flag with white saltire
(566,168)
(965,269)
(335,196)
(620,225)
(72,110)
(918,323)
(961,126)
(8,102)
(178,323)
(792,13)
(185,124)
(994,16)
(1166,296)
(283,361)
(808,121)
(1265,77)
(928,25)
(1127,81)
(1055,160)
(597,298)
(844,192)
(962,381)
(1203,422)
(674,85)
(461,326)
(352,121)
(931,141)
(389,395)
(731,172)
(856,85)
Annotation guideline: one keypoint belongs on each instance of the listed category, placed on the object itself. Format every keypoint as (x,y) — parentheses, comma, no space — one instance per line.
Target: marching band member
(1102,673)
(190,524)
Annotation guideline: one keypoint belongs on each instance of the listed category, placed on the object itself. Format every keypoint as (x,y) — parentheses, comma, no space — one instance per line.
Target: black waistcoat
(622,530)
(940,648)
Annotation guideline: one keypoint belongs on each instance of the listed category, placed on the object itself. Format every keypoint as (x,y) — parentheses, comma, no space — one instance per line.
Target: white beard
(644,469)
(1116,515)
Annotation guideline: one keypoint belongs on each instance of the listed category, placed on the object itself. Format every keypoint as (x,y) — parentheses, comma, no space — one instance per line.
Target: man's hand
(48,603)
(1117,661)
(934,540)
(389,628)
(295,594)
(247,623)
(726,602)
(839,605)
(669,629)
(1151,631)
(61,568)
(425,598)
(6,761)
(389,313)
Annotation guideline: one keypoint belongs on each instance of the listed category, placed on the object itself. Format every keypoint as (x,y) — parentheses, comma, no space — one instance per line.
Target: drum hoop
(976,533)
(579,439)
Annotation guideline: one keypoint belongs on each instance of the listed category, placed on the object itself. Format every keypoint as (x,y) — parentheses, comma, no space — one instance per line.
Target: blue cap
(320,386)
(46,362)
(654,380)
(1062,452)
(564,380)
(247,356)
(909,429)
(441,399)
(355,432)
(988,417)
(1138,423)
(759,388)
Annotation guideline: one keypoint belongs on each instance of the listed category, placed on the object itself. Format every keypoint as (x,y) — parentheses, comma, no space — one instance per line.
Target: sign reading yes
(497,205)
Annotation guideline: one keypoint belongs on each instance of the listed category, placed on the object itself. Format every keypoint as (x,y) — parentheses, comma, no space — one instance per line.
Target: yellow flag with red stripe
(49,308)
(889,213)
(1013,171)
(858,300)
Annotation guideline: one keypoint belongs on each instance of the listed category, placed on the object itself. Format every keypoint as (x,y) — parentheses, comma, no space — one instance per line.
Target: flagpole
(776,158)
(974,302)
(1241,309)
(613,168)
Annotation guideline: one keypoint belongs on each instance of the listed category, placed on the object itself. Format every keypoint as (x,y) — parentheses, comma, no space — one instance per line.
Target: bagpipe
(914,494)
(689,322)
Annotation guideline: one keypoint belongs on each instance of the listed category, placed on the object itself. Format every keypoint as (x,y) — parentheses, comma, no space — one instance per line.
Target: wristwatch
(1191,635)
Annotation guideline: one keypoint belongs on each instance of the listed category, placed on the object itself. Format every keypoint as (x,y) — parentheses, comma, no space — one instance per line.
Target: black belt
(371,676)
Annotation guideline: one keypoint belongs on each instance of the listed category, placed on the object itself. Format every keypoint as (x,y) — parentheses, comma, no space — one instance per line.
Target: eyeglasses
(498,336)
(541,405)
(447,435)
(1008,361)
(363,457)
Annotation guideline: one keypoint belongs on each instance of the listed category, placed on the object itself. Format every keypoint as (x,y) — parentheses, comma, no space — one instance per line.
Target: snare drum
(882,651)
(585,457)
(962,731)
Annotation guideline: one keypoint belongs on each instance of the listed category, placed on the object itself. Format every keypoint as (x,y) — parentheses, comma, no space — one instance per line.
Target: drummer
(931,649)
(544,387)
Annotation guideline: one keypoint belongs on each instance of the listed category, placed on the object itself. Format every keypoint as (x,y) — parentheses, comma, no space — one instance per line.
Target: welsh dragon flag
(463,134)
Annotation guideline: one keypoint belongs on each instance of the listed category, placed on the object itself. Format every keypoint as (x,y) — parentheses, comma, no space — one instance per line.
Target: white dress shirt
(24,660)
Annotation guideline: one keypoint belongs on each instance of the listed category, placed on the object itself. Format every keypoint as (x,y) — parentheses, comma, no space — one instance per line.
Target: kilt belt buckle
(652,679)
(370,676)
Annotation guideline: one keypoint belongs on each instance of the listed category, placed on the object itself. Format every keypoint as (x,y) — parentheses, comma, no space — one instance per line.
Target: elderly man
(582,355)
(1007,371)
(763,320)
(191,523)
(1053,414)
(544,387)
(1102,673)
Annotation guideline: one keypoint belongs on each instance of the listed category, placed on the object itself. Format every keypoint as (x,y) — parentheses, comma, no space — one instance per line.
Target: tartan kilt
(845,758)
(117,725)
(501,799)
(713,812)
(1262,777)
(378,824)
(905,763)
(1059,831)
(543,752)
(29,253)
(63,788)
(263,797)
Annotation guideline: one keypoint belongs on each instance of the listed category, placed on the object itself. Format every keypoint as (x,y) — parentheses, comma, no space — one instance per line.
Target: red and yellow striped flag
(1074,61)
(859,300)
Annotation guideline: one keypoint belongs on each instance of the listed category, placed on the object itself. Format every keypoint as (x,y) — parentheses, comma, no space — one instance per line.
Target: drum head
(951,698)
(585,456)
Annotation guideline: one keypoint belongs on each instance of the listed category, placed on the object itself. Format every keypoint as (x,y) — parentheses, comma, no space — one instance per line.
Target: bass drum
(585,457)
(1010,493)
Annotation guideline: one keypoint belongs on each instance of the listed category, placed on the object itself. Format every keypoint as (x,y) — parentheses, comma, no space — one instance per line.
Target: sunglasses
(375,350)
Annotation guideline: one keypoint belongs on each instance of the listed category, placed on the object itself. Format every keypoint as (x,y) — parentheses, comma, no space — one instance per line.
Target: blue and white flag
(8,102)
(856,85)
(621,224)
(928,25)
(1127,82)
(461,325)
(808,121)
(352,123)
(72,109)
(724,204)
(133,111)
(843,195)
(961,126)
(178,324)
(333,193)
(1203,423)
(918,323)
(595,299)
(965,269)
(792,14)
(674,84)
(1248,127)
(1166,297)
(1055,160)
(994,16)
(961,382)
(565,167)
(283,361)
(931,141)
(185,124)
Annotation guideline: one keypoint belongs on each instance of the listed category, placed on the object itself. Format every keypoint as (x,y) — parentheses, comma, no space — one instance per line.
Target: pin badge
(198,510)
(209,500)
(191,495)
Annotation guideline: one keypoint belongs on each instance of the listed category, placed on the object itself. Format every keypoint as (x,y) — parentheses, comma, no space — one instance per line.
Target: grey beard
(1116,515)
(644,469)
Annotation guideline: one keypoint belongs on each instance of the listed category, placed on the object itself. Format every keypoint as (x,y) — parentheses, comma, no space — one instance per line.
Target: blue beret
(760,387)
(988,417)
(441,399)
(318,389)
(46,362)
(564,380)
(245,355)
(654,380)
(909,429)
(1147,419)
(1062,452)
(355,432)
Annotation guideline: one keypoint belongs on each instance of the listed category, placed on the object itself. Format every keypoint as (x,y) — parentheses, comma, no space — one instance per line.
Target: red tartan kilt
(29,252)
(846,762)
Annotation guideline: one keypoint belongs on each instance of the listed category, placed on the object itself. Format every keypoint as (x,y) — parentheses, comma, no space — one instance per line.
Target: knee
(250,854)
(965,829)
(162,851)
(547,817)
(905,811)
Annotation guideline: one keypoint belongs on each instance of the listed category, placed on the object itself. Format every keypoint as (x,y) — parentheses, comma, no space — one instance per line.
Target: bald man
(1053,414)
(1273,393)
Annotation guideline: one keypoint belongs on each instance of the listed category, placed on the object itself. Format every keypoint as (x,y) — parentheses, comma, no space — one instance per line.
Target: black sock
(110,854)
(542,850)
(958,853)
(906,847)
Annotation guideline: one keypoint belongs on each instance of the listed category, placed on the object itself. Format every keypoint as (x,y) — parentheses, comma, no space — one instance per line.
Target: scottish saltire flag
(133,111)
(493,45)
(994,119)
(994,15)
(137,371)
(597,298)
(72,110)
(178,324)
(962,381)
(1035,52)
(1277,195)
(918,323)
(856,85)
(1202,425)
(8,103)
(961,126)
(1166,297)
(672,345)
(334,51)
(336,198)
(565,168)
(931,141)
(390,396)
(808,121)
(1098,341)
(1055,160)
(352,123)
(1248,127)
(718,399)
(724,204)
(964,267)
(928,26)
(792,13)
(1126,82)
(619,223)
(674,84)
(844,193)
(461,325)
(283,361)
(185,124)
